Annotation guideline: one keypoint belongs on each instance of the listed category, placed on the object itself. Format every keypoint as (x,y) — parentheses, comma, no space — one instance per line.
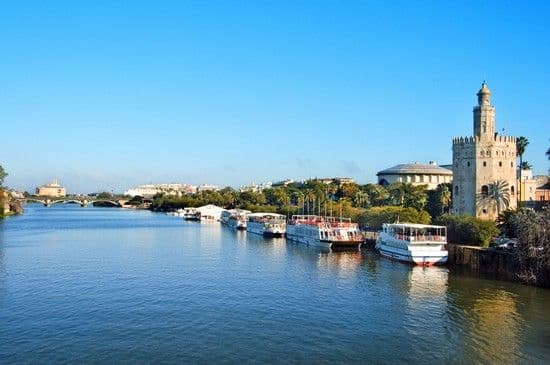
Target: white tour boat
(419,244)
(325,232)
(237,219)
(267,224)
(191,214)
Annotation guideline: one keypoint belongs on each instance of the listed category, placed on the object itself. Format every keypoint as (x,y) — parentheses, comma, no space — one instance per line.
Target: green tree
(361,199)
(104,195)
(348,191)
(3,175)
(468,230)
(521,146)
(378,194)
(376,216)
(497,195)
(533,246)
(525,165)
(439,200)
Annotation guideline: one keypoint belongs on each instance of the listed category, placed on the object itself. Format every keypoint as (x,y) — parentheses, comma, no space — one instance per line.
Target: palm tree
(444,196)
(525,165)
(521,146)
(497,194)
(360,199)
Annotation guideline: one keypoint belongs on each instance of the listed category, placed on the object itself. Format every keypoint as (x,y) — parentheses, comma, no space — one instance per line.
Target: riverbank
(497,264)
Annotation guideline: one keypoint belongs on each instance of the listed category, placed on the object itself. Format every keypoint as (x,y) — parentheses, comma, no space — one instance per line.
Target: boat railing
(420,238)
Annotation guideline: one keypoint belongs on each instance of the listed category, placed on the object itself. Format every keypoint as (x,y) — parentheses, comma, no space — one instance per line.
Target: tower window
(511,164)
(468,163)
(512,191)
(484,164)
(500,163)
(484,190)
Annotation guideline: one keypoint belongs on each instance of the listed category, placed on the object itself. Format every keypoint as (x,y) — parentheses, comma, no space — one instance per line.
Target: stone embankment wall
(499,264)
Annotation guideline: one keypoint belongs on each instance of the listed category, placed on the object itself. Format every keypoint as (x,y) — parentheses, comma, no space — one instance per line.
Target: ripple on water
(100,285)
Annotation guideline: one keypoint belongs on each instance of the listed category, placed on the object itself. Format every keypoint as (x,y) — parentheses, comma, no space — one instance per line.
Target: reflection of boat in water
(267,224)
(325,232)
(414,243)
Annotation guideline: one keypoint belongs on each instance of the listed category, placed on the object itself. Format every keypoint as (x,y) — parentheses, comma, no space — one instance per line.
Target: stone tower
(480,160)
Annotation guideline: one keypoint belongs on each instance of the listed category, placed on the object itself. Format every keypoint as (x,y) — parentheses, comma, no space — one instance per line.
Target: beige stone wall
(431,180)
(53,191)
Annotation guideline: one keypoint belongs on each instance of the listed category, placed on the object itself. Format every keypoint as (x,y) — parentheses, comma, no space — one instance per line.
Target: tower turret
(484,114)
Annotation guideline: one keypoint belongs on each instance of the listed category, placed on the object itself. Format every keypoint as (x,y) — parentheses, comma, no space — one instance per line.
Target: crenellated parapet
(474,139)
(464,140)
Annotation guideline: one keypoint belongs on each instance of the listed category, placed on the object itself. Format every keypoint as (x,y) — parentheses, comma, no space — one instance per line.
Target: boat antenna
(325,204)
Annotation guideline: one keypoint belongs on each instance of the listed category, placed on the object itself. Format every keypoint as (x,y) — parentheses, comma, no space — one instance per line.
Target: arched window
(511,164)
(468,163)
(484,190)
(512,190)
(484,163)
(500,163)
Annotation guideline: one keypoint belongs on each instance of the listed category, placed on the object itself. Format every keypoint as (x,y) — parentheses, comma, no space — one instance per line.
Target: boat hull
(424,256)
(310,240)
(265,229)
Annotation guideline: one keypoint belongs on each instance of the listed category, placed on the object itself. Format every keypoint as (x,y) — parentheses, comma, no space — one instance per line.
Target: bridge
(82,201)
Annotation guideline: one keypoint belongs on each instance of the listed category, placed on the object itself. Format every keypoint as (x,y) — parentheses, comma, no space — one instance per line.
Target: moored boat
(237,219)
(191,214)
(267,224)
(324,232)
(419,244)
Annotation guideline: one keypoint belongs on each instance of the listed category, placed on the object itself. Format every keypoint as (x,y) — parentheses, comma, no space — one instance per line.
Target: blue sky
(104,95)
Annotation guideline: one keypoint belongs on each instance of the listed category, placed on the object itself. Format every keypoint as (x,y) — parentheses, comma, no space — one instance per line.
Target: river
(107,285)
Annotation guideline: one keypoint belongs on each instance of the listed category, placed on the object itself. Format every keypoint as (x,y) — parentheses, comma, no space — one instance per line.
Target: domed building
(429,174)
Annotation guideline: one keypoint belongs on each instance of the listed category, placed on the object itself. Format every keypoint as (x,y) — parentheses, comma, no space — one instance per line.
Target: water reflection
(345,263)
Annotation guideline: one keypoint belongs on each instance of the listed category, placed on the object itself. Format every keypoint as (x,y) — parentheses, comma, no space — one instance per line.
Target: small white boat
(267,224)
(237,218)
(191,214)
(419,244)
(324,232)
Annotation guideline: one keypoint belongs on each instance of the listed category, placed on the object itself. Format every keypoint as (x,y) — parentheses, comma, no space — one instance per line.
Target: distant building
(542,192)
(429,174)
(205,187)
(335,180)
(253,187)
(527,187)
(481,160)
(150,190)
(52,189)
(282,183)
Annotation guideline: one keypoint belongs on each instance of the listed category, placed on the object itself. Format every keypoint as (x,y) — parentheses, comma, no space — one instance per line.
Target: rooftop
(416,168)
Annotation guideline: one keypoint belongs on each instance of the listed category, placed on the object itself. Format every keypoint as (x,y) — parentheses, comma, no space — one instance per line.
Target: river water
(105,285)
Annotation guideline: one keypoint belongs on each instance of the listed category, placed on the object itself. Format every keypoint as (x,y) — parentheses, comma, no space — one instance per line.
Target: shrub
(533,246)
(468,230)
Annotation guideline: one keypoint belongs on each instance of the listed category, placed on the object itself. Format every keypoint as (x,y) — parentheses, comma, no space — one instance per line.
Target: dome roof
(416,168)
(484,89)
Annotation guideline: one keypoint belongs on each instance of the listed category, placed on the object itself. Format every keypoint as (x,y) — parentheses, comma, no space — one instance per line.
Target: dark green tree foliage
(533,247)
(3,175)
(468,230)
(439,200)
(374,217)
